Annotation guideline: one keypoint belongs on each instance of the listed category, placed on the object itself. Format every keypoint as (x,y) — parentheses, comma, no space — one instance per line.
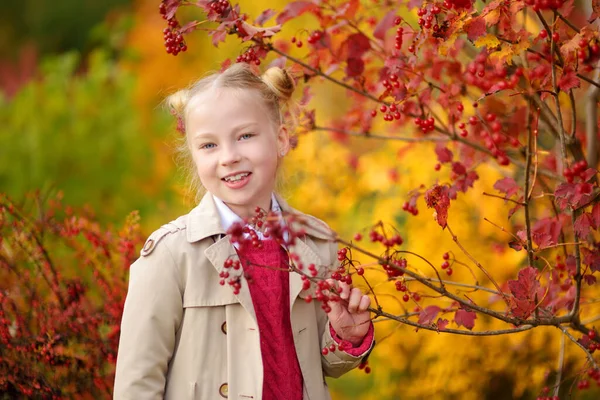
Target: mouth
(236,177)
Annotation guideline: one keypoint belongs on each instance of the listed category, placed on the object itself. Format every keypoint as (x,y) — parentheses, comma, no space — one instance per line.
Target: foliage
(486,87)
(78,133)
(59,338)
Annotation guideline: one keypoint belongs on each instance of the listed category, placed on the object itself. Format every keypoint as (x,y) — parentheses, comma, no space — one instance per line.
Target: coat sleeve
(151,317)
(336,363)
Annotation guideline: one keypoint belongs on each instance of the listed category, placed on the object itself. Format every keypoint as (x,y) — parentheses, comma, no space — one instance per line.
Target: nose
(230,155)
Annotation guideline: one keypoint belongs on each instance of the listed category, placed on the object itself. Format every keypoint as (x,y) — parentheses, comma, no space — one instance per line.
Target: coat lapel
(217,254)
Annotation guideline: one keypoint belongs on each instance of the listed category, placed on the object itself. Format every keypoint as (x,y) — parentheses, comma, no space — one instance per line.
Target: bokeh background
(81,85)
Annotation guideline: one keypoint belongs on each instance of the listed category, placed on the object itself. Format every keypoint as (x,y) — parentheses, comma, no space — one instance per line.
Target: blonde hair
(275,87)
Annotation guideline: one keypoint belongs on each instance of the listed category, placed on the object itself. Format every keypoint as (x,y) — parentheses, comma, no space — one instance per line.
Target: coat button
(224,390)
(224,327)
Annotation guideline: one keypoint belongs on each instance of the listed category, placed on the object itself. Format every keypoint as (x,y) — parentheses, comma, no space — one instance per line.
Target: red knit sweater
(268,282)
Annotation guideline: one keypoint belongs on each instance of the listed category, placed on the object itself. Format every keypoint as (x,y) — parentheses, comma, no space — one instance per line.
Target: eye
(207,146)
(246,136)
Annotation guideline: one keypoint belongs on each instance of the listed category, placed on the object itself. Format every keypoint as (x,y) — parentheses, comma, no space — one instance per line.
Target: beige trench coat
(184,336)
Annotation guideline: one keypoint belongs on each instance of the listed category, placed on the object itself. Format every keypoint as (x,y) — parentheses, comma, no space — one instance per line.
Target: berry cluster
(446,264)
(399,33)
(395,267)
(589,51)
(314,37)
(458,4)
(392,112)
(344,345)
(538,5)
(576,171)
(483,76)
(297,42)
(249,57)
(174,43)
(229,278)
(391,242)
(410,208)
(220,7)
(426,125)
(426,18)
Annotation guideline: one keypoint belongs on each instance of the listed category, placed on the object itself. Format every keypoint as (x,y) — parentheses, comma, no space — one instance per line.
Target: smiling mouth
(236,177)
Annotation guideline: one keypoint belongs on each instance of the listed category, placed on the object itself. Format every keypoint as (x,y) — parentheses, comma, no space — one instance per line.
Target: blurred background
(81,85)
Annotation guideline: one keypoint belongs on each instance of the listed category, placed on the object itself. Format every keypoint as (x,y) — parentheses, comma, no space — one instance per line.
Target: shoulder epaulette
(160,233)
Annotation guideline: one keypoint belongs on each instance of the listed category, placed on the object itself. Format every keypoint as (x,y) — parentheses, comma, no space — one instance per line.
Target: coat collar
(204,221)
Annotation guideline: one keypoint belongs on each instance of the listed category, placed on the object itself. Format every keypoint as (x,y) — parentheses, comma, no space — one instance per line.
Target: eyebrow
(206,135)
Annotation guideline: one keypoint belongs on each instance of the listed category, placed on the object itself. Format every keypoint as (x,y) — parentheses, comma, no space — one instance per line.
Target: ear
(283,141)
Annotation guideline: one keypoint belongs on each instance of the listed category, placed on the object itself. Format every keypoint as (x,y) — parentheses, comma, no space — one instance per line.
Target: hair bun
(178,101)
(280,82)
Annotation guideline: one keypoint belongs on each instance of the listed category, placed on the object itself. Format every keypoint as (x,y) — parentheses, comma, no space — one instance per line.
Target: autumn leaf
(428,314)
(583,225)
(437,198)
(355,67)
(265,16)
(465,318)
(356,45)
(295,9)
(218,36)
(568,80)
(508,186)
(441,324)
(384,24)
(490,41)
(524,290)
(476,28)
(444,155)
(252,31)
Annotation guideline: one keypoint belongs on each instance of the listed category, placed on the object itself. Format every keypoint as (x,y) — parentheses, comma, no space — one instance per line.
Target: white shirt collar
(228,217)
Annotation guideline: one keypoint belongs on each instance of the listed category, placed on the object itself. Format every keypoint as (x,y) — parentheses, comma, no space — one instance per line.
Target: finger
(354,300)
(365,302)
(345,290)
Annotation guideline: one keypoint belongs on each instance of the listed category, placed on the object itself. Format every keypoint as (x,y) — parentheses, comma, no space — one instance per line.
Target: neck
(249,211)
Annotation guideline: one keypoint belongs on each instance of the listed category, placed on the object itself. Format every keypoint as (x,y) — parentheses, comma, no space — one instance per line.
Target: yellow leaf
(447,45)
(489,41)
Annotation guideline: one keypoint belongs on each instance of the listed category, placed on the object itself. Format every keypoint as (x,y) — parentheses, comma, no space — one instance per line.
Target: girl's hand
(349,317)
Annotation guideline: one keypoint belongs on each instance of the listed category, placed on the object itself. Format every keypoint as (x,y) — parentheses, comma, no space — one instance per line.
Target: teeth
(237,177)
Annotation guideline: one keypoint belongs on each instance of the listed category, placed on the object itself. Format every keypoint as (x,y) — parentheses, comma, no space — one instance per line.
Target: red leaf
(458,168)
(441,324)
(545,232)
(566,8)
(252,31)
(427,315)
(589,279)
(465,318)
(572,194)
(524,290)
(583,224)
(265,16)
(437,198)
(517,246)
(588,174)
(355,67)
(507,186)
(171,7)
(218,37)
(443,153)
(295,9)
(596,216)
(591,258)
(356,44)
(384,24)
(476,28)
(568,80)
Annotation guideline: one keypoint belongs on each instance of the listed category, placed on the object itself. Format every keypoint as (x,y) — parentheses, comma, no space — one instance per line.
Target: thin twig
(586,351)
(455,238)
(369,135)
(503,198)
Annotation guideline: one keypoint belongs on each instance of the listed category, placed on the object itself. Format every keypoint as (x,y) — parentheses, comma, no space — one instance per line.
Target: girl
(184,335)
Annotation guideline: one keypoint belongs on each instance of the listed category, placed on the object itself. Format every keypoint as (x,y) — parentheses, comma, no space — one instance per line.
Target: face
(235,147)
